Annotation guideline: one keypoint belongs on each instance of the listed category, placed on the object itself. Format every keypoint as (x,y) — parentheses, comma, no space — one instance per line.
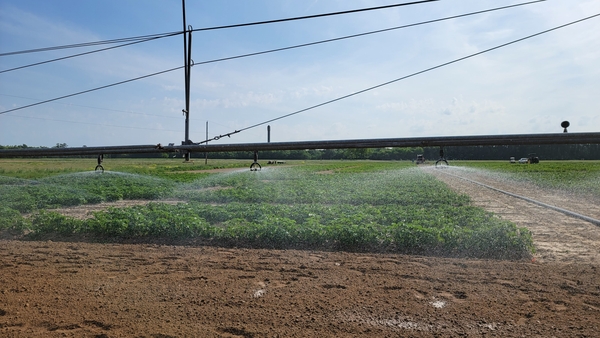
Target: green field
(363,206)
(572,176)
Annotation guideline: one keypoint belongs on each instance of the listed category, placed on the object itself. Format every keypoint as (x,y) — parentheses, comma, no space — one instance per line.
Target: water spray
(442,158)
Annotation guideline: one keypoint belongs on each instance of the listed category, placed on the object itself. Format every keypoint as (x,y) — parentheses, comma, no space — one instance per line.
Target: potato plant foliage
(339,205)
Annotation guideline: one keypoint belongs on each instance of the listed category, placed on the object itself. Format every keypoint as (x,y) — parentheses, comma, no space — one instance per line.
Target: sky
(527,87)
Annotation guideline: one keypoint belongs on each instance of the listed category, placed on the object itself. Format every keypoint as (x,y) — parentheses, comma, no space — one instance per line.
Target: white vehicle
(523,160)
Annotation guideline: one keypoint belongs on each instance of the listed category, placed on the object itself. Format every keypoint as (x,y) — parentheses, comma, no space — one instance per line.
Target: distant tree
(22,146)
(357,154)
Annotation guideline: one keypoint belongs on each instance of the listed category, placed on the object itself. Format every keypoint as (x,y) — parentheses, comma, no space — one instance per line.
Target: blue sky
(528,87)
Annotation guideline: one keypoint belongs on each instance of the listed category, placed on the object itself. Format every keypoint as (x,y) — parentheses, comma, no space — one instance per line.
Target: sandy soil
(87,211)
(558,237)
(74,288)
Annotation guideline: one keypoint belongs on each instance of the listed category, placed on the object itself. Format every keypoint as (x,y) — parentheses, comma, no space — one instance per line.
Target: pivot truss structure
(440,141)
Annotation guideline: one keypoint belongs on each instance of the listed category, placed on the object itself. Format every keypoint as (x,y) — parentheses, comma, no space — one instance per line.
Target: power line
(90,90)
(143,37)
(88,44)
(364,34)
(98,108)
(402,78)
(263,52)
(202,29)
(283,48)
(312,16)
(106,109)
(89,52)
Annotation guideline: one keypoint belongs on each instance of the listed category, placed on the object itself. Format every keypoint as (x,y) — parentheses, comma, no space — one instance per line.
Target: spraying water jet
(442,159)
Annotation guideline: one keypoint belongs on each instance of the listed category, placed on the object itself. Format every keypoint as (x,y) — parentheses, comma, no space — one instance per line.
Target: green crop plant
(11,219)
(338,205)
(45,222)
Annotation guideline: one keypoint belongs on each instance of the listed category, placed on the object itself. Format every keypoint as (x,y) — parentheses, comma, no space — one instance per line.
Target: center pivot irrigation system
(187,146)
(442,141)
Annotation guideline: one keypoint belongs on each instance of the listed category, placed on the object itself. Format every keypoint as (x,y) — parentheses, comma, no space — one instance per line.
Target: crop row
(335,207)
(352,228)
(77,189)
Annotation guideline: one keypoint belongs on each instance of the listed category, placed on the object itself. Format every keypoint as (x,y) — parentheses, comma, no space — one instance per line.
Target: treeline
(24,146)
(325,154)
(544,152)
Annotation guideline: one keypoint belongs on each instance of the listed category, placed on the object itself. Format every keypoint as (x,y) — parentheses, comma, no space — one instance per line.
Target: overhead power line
(403,78)
(364,34)
(89,52)
(88,44)
(98,108)
(91,90)
(144,37)
(312,16)
(265,52)
(277,49)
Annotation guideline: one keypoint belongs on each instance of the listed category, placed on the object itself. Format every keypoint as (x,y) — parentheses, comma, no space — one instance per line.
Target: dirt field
(80,289)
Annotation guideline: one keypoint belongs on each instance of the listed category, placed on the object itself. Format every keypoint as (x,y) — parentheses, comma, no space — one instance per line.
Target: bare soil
(87,210)
(76,288)
(558,237)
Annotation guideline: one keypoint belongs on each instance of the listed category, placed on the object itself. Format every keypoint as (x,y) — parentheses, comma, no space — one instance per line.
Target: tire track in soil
(557,237)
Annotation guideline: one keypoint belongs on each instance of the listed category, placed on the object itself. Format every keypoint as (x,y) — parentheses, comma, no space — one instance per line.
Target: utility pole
(187,59)
(206,153)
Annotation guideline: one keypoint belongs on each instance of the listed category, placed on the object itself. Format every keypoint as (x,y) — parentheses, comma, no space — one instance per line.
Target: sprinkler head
(565,125)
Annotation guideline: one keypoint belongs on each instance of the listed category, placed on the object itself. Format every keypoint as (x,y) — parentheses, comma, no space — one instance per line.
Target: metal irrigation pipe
(439,141)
